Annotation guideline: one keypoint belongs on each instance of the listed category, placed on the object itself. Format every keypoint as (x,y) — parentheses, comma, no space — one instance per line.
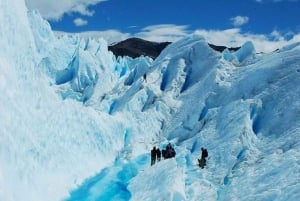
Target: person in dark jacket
(202,161)
(204,153)
(158,154)
(169,146)
(153,156)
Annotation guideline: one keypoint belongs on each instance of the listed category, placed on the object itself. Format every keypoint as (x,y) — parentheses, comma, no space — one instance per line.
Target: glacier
(77,123)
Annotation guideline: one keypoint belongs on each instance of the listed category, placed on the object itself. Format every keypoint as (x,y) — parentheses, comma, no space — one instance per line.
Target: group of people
(156,154)
(169,152)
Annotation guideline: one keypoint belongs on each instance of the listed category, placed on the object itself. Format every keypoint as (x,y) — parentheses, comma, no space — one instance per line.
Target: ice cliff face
(39,71)
(70,109)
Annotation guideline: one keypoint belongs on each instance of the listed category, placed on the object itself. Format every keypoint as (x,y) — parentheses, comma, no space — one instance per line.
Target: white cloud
(276,35)
(235,37)
(239,20)
(163,32)
(230,37)
(157,33)
(80,22)
(111,36)
(54,9)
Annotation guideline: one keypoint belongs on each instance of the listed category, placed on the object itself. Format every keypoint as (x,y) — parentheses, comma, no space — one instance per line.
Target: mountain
(222,48)
(78,123)
(136,47)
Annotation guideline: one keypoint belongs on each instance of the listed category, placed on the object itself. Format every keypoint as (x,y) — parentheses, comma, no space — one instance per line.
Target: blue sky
(133,15)
(273,20)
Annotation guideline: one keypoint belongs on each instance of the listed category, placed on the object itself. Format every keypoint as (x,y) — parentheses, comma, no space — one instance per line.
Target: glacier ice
(247,51)
(77,123)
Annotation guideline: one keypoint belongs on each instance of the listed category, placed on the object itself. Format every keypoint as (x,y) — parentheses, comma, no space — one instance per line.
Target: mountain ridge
(136,47)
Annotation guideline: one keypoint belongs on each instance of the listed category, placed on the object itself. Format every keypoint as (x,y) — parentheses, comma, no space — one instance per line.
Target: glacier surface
(77,123)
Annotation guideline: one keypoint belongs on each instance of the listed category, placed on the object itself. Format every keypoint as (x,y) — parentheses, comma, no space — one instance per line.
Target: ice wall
(49,141)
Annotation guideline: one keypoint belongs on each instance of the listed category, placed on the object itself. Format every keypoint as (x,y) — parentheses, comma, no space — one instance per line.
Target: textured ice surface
(78,124)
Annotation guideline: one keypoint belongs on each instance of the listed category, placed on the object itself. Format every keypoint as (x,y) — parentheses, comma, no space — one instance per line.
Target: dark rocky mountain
(222,48)
(135,47)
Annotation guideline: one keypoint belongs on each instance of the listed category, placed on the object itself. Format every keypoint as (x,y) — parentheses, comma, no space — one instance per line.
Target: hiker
(202,161)
(145,77)
(204,153)
(158,154)
(153,156)
(169,146)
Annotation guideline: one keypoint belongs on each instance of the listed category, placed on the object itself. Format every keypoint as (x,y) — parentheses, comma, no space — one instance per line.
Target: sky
(270,23)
